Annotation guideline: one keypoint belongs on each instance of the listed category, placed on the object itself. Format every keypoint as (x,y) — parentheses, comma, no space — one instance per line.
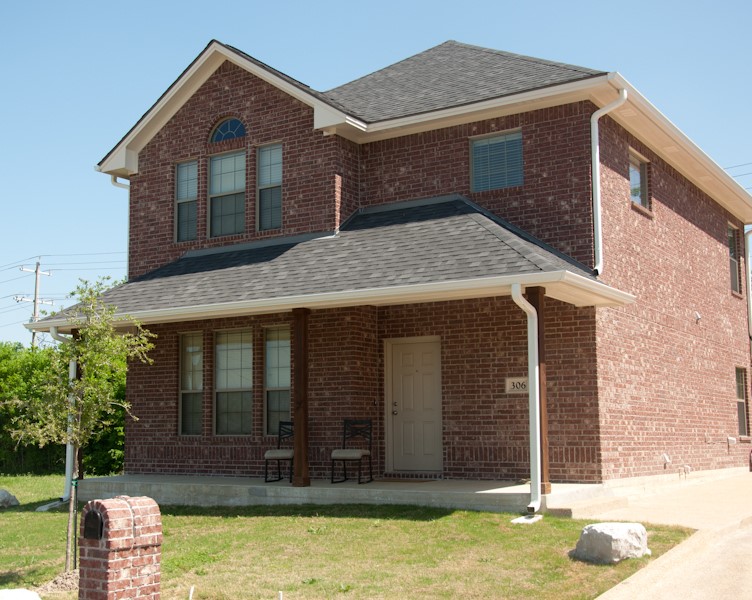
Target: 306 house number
(516,385)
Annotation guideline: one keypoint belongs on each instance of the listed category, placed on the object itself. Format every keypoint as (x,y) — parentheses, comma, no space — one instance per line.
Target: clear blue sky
(78,75)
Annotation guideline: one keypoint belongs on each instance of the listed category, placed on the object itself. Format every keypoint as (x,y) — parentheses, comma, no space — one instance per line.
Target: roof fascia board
(561,285)
(652,127)
(123,159)
(506,105)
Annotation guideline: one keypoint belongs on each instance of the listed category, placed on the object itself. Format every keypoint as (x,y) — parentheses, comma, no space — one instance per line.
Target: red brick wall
(667,381)
(485,430)
(311,162)
(553,204)
(326,178)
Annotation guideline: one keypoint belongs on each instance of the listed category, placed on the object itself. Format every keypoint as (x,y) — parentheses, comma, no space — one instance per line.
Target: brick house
(425,247)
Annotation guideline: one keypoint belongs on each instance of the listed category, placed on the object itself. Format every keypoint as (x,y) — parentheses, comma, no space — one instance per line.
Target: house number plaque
(516,385)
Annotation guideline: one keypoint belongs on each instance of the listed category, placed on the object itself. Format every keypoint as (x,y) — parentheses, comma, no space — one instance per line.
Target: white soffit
(643,120)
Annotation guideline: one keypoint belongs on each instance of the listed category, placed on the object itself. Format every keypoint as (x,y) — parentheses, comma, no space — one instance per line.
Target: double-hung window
(741,400)
(227,194)
(496,162)
(277,378)
(269,184)
(191,383)
(734,265)
(186,193)
(233,383)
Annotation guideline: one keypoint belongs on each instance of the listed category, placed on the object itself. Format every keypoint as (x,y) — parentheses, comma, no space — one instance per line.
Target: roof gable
(122,160)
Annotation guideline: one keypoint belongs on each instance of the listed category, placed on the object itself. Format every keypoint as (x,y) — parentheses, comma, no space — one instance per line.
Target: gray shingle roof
(395,245)
(449,75)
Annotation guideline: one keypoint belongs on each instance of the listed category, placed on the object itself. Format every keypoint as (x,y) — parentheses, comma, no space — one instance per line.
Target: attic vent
(229,129)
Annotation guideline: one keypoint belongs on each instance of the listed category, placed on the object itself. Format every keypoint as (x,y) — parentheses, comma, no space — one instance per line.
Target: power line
(737,166)
(14,279)
(16,263)
(742,174)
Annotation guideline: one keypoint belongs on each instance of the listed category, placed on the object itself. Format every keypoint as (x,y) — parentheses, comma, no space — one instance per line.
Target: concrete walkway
(714,562)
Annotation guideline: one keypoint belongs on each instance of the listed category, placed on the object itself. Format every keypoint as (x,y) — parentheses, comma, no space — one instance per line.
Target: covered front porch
(438,277)
(192,490)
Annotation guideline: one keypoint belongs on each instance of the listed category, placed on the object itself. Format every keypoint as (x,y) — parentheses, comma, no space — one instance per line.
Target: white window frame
(244,385)
(239,188)
(185,196)
(196,385)
(507,175)
(282,381)
(741,401)
(271,182)
(639,165)
(734,251)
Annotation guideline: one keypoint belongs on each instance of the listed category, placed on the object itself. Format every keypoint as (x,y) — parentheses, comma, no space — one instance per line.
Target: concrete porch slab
(492,496)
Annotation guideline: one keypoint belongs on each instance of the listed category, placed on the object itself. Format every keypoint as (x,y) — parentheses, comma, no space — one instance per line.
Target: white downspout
(68,446)
(595,162)
(116,183)
(747,238)
(533,395)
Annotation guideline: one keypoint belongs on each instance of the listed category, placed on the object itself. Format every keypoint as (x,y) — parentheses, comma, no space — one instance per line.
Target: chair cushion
(349,454)
(281,454)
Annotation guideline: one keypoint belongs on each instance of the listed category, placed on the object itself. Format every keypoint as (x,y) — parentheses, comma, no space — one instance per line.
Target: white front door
(415,405)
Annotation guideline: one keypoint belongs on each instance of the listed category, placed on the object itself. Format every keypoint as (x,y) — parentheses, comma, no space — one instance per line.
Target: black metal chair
(356,446)
(286,432)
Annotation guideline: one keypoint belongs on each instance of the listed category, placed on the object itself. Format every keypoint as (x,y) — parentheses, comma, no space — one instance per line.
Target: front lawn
(354,551)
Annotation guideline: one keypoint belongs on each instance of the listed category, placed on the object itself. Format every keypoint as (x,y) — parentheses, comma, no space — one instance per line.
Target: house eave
(638,116)
(122,160)
(565,286)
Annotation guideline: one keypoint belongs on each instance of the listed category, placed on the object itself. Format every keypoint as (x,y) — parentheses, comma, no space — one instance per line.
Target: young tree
(73,409)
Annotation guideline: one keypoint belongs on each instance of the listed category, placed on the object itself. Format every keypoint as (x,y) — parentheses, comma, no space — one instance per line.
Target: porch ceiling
(422,251)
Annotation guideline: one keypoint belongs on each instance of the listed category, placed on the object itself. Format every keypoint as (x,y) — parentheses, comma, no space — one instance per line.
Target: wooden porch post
(536,297)
(300,476)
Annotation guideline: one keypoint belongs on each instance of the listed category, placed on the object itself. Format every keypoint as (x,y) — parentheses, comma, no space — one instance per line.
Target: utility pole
(35,316)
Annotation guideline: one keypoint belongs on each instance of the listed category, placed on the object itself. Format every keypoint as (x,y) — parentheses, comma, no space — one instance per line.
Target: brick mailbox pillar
(120,547)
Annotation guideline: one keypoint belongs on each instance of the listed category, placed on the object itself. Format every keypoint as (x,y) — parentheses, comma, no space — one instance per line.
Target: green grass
(348,551)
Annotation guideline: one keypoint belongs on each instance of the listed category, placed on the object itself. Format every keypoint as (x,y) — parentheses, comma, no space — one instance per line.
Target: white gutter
(566,286)
(533,395)
(747,238)
(595,161)
(69,445)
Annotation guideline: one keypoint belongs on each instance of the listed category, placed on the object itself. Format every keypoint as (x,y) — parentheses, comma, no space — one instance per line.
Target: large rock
(607,543)
(7,499)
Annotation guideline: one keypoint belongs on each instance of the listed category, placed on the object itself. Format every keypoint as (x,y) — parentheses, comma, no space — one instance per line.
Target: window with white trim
(638,181)
(734,263)
(227,194)
(277,378)
(229,129)
(269,185)
(496,162)
(191,383)
(233,383)
(186,195)
(741,400)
